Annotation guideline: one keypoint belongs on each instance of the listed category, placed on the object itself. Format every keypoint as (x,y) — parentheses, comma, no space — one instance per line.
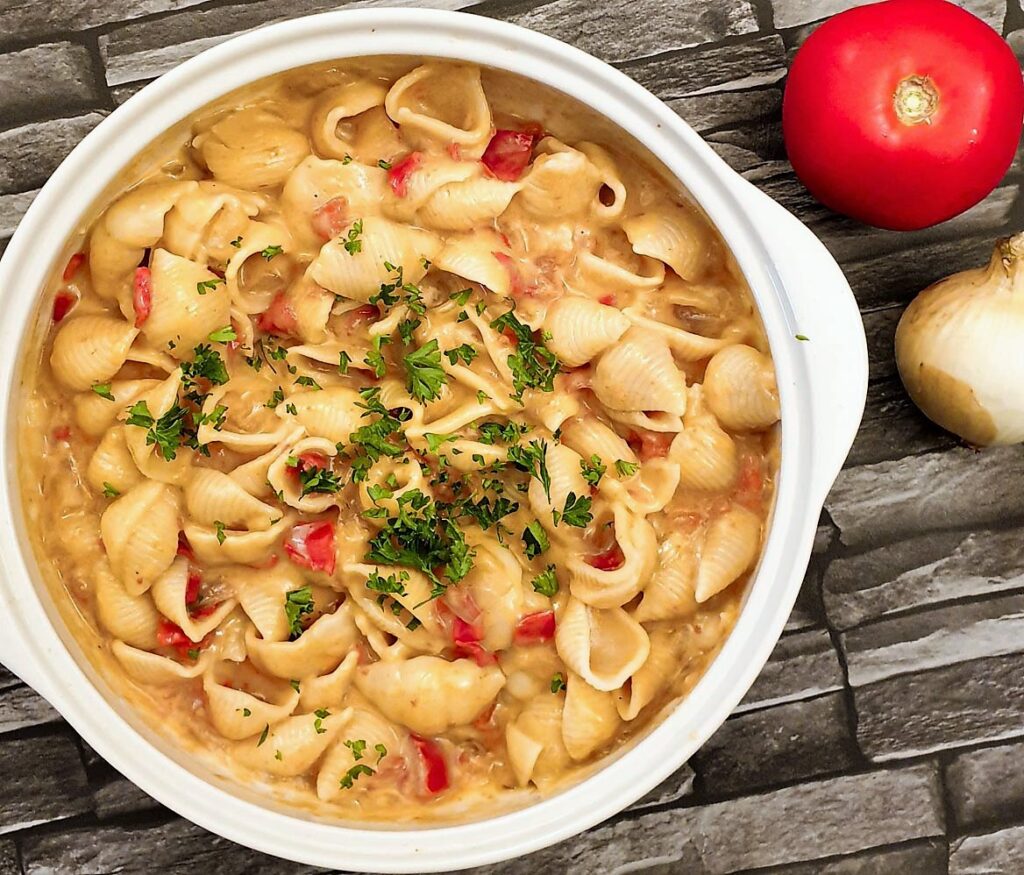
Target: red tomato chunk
(329,220)
(62,305)
(142,295)
(279,317)
(398,175)
(508,154)
(75,262)
(535,628)
(311,545)
(435,769)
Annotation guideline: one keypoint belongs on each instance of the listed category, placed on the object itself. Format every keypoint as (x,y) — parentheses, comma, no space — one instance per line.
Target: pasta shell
(463,206)
(262,594)
(638,374)
(332,414)
(90,349)
(611,184)
(707,457)
(597,276)
(604,647)
(479,257)
(581,328)
(589,719)
(441,104)
(131,618)
(94,414)
(394,615)
(140,534)
(589,437)
(137,219)
(292,746)
(212,496)
(647,492)
(740,389)
(252,149)
(730,548)
(111,464)
(496,583)
(148,457)
(430,174)
(670,593)
(359,276)
(675,236)
(183,313)
(561,184)
(252,475)
(152,668)
(203,223)
(215,547)
(685,345)
(366,726)
(169,592)
(652,677)
(241,701)
(274,272)
(565,469)
(428,694)
(317,651)
(601,588)
(328,690)
(256,430)
(112,264)
(534,742)
(335,106)
(394,480)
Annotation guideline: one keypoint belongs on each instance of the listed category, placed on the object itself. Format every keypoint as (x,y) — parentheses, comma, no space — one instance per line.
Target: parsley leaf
(557,682)
(424,374)
(357,746)
(221,537)
(297,604)
(593,470)
(373,440)
(165,433)
(535,539)
(375,358)
(465,352)
(307,381)
(533,365)
(263,735)
(344,360)
(436,441)
(390,585)
(462,297)
(576,512)
(206,365)
(533,459)
(223,335)
(271,251)
(110,491)
(314,479)
(384,165)
(208,285)
(103,390)
(352,243)
(546,583)
(318,724)
(626,469)
(349,778)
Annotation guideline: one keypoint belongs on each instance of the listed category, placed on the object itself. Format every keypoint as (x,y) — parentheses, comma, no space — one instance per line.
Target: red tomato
(184,547)
(75,262)
(435,769)
(192,587)
(515,281)
(329,220)
(398,175)
(308,461)
(466,638)
(279,317)
(649,444)
(170,635)
(62,305)
(904,113)
(535,628)
(311,545)
(750,486)
(609,560)
(607,300)
(508,153)
(142,295)
(62,433)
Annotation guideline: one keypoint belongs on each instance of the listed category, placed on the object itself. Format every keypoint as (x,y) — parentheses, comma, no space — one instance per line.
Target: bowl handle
(825,313)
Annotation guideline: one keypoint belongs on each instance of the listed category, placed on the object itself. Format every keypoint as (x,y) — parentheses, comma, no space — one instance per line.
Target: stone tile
(927,570)
(43,781)
(144,50)
(724,68)
(21,707)
(8,679)
(883,280)
(26,19)
(116,796)
(45,78)
(988,854)
(986,786)
(956,706)
(790,13)
(893,427)
(619,32)
(805,822)
(807,611)
(961,488)
(9,864)
(172,848)
(880,331)
(33,151)
(12,208)
(915,858)
(728,109)
(803,665)
(933,639)
(677,786)
(777,745)
(121,93)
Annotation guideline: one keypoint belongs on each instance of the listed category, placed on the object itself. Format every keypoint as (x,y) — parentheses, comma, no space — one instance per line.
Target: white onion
(960,349)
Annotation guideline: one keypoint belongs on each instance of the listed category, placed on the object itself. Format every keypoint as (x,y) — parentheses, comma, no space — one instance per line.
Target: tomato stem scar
(915,100)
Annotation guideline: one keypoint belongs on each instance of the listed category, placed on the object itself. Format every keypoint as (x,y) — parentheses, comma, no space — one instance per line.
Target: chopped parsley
(271,251)
(321,481)
(382,752)
(110,491)
(347,159)
(436,441)
(626,469)
(223,335)
(375,358)
(575,513)
(263,735)
(318,724)
(557,682)
(465,352)
(533,460)
(384,165)
(350,777)
(297,604)
(294,685)
(372,441)
(593,470)
(205,365)
(237,243)
(509,433)
(353,244)
(103,390)
(461,297)
(535,539)
(357,746)
(423,372)
(546,583)
(219,526)
(344,360)
(276,398)
(390,585)
(307,381)
(801,337)
(165,433)
(208,285)
(533,365)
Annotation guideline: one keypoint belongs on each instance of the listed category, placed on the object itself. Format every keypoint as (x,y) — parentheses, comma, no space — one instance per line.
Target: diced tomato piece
(184,547)
(608,560)
(363,314)
(435,769)
(515,281)
(484,721)
(311,545)
(62,433)
(142,295)
(307,461)
(455,151)
(510,336)
(398,175)
(62,304)
(466,638)
(192,587)
(279,317)
(170,635)
(607,300)
(329,220)
(508,154)
(535,628)
(463,632)
(750,486)
(75,262)
(649,444)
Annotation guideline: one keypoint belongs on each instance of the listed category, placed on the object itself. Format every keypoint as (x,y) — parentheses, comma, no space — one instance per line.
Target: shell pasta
(396,443)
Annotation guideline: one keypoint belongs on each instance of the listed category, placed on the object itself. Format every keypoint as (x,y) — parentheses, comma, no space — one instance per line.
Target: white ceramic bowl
(798,288)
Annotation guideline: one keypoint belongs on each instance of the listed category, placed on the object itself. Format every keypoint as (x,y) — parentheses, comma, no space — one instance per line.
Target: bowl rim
(53,218)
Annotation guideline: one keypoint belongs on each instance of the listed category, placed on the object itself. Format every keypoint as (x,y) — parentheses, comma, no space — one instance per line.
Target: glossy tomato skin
(847,141)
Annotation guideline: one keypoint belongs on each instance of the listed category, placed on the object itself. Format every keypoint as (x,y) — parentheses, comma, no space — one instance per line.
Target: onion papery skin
(960,349)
